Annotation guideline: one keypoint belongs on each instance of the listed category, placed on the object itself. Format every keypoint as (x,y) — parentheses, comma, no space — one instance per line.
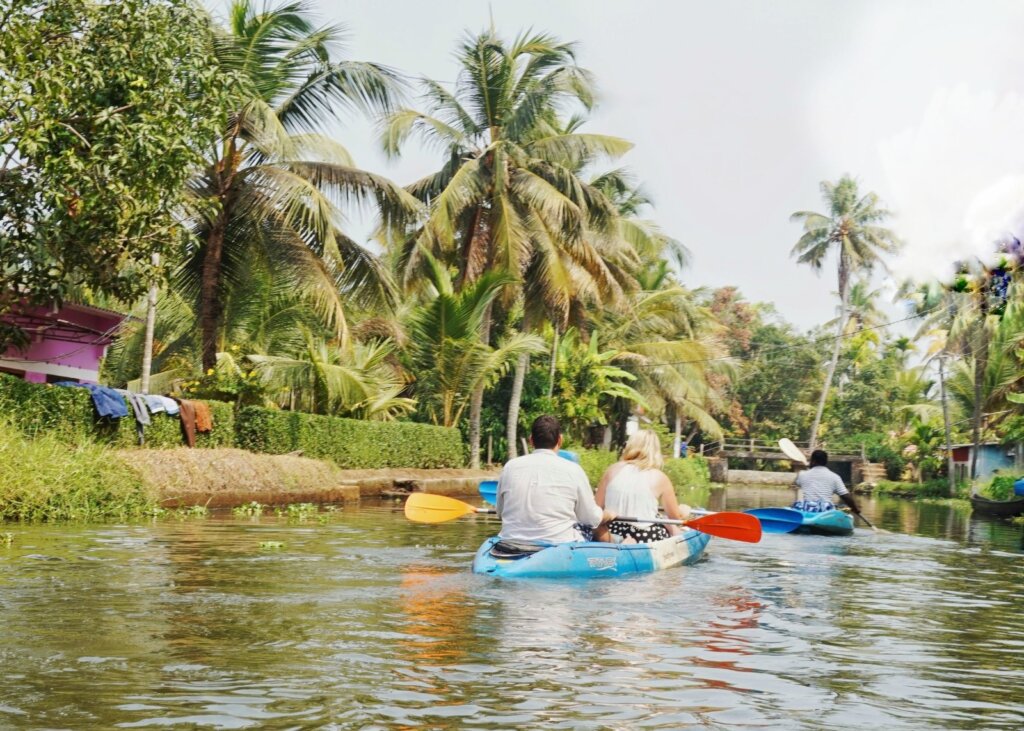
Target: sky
(738,109)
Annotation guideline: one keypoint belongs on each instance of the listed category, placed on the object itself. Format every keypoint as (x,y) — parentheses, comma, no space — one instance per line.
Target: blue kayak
(587,560)
(827,523)
(791,520)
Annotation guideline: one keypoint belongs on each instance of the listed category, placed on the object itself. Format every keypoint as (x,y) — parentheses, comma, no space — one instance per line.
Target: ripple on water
(369,622)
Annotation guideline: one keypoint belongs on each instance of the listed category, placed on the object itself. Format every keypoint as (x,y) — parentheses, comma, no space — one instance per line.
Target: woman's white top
(633,492)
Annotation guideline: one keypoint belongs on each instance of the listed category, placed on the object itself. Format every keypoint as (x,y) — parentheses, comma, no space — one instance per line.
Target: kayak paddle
(489,491)
(422,507)
(777,520)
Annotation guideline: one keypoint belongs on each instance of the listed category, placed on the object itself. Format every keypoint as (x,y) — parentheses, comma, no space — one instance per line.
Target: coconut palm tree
(850,229)
(273,188)
(450,357)
(354,380)
(508,197)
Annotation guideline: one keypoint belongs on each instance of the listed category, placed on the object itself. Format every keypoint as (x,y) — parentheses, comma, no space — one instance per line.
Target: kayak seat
(512,550)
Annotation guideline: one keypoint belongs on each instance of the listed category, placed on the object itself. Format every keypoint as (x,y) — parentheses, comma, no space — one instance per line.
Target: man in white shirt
(819,484)
(543,498)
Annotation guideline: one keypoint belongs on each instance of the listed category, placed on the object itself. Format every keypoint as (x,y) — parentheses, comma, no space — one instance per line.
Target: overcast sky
(739,109)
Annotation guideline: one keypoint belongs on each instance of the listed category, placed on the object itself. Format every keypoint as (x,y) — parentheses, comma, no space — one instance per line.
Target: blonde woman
(635,486)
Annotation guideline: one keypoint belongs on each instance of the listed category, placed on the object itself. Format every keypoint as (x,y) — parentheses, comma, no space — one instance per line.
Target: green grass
(45,479)
(937,488)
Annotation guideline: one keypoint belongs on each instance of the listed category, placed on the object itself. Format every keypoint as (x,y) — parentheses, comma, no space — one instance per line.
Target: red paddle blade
(734,526)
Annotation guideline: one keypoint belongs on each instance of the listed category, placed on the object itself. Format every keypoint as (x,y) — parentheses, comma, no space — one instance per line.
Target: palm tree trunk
(950,469)
(554,363)
(844,274)
(209,299)
(512,423)
(147,346)
(477,401)
(677,441)
(980,364)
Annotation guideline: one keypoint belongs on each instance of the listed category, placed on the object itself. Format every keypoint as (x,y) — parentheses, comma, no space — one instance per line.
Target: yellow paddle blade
(792,451)
(422,507)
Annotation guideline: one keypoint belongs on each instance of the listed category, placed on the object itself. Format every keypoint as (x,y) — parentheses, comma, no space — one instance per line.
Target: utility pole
(147,348)
(945,418)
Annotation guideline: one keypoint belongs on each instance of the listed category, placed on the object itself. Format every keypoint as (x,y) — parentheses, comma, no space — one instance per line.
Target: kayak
(591,560)
(827,523)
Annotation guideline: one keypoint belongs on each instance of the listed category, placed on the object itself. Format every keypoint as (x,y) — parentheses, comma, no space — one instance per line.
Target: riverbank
(230,477)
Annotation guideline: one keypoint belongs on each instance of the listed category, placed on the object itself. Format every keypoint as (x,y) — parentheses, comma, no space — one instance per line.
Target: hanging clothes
(138,403)
(204,417)
(155,403)
(188,421)
(107,402)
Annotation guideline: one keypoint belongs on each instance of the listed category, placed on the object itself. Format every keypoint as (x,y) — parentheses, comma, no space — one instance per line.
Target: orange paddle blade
(734,526)
(421,507)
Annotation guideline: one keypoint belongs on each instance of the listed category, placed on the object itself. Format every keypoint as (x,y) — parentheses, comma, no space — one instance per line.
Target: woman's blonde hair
(643,450)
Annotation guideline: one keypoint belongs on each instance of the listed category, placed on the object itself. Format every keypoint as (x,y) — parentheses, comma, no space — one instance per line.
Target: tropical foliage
(525,274)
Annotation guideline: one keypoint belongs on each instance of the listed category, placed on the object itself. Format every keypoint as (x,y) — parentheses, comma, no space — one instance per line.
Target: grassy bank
(937,488)
(45,479)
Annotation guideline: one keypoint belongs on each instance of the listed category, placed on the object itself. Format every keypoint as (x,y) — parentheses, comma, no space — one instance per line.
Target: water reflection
(371,622)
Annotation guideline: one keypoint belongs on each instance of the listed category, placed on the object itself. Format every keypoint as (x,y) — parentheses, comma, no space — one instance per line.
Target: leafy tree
(275,182)
(507,197)
(104,108)
(851,229)
(449,356)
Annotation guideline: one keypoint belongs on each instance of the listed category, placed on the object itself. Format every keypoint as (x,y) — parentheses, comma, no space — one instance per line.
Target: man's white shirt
(541,496)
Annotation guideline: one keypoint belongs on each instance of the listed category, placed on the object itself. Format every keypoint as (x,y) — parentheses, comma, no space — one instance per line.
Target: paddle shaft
(622,518)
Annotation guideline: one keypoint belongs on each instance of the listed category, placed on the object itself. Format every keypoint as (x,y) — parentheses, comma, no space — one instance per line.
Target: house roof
(980,444)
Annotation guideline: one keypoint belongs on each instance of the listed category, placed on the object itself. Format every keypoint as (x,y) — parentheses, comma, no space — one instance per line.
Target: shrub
(350,443)
(42,479)
(934,488)
(1000,488)
(67,413)
(595,461)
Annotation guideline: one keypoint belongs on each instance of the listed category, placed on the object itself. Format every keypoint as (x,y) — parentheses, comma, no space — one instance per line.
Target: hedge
(67,413)
(349,443)
(686,473)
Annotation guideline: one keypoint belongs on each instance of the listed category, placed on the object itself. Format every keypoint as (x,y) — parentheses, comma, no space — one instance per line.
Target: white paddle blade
(792,451)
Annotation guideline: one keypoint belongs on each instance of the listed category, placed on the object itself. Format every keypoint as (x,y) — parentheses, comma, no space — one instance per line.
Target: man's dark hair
(545,432)
(819,458)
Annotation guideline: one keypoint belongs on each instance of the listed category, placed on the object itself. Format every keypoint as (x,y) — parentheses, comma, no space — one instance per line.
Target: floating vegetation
(6,539)
(251,509)
(298,511)
(271,545)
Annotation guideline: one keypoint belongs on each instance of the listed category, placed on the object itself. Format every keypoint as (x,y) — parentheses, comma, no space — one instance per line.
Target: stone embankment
(229,477)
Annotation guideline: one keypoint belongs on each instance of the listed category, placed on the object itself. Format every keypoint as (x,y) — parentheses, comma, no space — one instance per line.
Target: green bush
(349,443)
(42,479)
(595,461)
(34,408)
(688,472)
(934,488)
(67,413)
(1000,488)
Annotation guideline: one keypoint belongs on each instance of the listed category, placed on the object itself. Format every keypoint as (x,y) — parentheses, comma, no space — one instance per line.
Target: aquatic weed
(6,539)
(251,509)
(298,511)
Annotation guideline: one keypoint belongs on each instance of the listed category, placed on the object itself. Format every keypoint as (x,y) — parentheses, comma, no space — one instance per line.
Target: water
(369,622)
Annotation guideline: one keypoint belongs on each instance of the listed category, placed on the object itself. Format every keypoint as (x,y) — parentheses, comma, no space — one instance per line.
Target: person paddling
(543,498)
(636,486)
(818,484)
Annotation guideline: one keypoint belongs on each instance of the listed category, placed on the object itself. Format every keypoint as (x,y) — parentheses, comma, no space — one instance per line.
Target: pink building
(66,343)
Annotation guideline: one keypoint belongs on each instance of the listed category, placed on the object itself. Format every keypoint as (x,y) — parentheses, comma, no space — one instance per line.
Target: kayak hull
(594,560)
(828,523)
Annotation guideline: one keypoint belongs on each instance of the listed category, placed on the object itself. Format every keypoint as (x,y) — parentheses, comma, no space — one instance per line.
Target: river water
(368,622)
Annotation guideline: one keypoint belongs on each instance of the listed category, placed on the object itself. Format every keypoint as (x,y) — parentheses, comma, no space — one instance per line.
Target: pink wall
(76,336)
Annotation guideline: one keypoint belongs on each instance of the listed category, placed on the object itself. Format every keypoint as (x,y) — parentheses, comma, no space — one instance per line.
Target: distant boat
(997,508)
